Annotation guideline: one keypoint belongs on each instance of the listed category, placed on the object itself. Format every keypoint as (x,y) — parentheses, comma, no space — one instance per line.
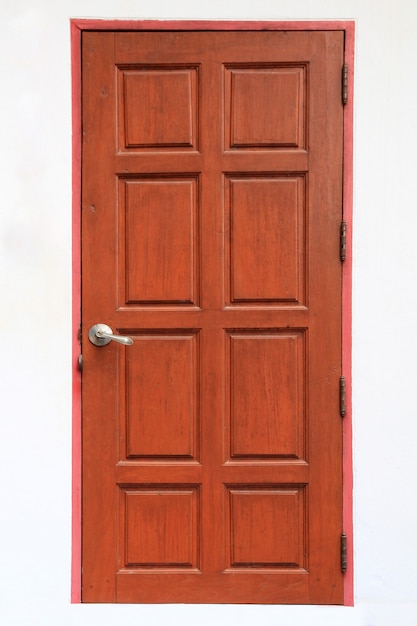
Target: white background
(35,314)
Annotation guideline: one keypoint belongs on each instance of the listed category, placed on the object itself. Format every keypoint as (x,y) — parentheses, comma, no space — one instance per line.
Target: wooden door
(211,201)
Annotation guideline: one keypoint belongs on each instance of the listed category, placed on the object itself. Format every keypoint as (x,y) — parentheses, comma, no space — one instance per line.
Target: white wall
(35,314)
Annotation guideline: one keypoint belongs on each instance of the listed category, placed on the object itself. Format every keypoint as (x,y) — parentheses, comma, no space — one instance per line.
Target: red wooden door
(212,200)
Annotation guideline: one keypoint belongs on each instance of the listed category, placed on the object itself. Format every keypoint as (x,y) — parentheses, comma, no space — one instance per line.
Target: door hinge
(343,229)
(345,71)
(343,552)
(342,396)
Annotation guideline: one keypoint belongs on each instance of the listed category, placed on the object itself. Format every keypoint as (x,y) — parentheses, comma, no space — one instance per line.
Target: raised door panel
(158,107)
(267,395)
(268,528)
(265,243)
(162,397)
(251,121)
(160,527)
(158,249)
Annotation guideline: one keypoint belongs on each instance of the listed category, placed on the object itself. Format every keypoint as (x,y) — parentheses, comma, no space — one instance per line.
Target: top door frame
(78,26)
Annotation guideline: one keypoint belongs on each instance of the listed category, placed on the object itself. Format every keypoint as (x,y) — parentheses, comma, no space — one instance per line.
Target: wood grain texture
(267,395)
(158,107)
(265,235)
(159,240)
(210,234)
(162,382)
(265,106)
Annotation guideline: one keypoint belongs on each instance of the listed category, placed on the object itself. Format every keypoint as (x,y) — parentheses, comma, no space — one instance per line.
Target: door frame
(77,27)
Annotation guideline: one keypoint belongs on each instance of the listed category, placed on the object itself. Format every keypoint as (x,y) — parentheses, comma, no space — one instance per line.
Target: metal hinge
(345,71)
(343,229)
(342,396)
(343,552)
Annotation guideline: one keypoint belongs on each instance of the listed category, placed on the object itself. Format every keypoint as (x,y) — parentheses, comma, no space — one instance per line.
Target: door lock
(101,334)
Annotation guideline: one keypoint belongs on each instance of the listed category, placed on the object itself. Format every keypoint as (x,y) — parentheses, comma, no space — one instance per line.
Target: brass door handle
(101,334)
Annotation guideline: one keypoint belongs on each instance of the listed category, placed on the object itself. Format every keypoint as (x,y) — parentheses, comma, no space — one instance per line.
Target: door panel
(212,200)
(158,244)
(267,391)
(171,539)
(265,234)
(252,121)
(158,107)
(163,422)
(255,515)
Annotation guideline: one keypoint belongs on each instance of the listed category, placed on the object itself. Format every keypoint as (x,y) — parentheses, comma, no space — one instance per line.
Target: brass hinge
(342,396)
(345,71)
(343,229)
(343,552)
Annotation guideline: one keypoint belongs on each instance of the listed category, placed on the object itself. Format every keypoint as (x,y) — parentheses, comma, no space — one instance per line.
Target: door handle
(101,334)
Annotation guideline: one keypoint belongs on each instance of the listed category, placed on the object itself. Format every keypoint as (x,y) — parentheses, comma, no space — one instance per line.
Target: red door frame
(77,27)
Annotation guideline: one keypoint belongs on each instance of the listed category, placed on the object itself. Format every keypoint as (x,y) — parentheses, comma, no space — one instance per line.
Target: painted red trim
(347,314)
(105,24)
(79,25)
(76,313)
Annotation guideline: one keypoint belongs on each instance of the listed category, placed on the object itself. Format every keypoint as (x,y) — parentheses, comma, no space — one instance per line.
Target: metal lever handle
(101,335)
